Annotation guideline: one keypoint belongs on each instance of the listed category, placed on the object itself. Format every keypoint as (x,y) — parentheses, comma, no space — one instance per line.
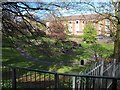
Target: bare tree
(117,36)
(56,29)
(17,18)
(13,13)
(107,10)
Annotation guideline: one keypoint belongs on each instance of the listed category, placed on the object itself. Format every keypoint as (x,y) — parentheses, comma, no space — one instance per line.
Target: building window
(70,26)
(76,22)
(77,26)
(82,21)
(107,28)
(83,26)
(100,27)
(107,22)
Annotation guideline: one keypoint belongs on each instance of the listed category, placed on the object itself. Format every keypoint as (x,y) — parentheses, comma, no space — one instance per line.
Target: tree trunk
(117,45)
(117,39)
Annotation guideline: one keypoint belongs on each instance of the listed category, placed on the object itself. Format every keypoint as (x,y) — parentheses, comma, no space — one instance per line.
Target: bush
(89,34)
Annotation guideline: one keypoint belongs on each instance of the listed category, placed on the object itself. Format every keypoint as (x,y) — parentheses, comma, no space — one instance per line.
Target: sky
(77,9)
(62,0)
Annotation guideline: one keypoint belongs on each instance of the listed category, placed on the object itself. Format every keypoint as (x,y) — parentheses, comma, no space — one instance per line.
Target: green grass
(12,57)
(105,50)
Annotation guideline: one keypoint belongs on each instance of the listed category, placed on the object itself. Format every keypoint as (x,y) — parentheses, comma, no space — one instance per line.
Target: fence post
(114,64)
(56,81)
(102,68)
(73,83)
(101,73)
(114,84)
(13,79)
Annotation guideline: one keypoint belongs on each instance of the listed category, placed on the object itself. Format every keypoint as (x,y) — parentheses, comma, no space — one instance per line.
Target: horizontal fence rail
(16,78)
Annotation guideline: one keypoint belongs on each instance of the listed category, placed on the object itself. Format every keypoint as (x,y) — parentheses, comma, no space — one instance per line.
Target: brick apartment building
(75,24)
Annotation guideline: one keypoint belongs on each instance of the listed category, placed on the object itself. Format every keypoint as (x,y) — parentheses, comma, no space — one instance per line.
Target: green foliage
(104,50)
(89,33)
(66,28)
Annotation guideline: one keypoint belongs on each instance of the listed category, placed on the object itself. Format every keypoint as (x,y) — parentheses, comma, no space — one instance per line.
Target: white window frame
(77,26)
(70,27)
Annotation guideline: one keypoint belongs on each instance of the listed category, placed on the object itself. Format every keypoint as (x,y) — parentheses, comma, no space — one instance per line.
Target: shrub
(89,33)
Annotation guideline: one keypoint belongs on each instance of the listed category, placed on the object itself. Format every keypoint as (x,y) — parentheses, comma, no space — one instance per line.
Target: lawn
(105,50)
(11,56)
(50,52)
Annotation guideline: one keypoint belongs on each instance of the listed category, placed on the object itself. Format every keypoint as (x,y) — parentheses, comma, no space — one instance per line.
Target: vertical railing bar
(69,82)
(30,77)
(6,75)
(9,77)
(2,79)
(49,81)
(76,83)
(73,83)
(80,84)
(44,80)
(114,84)
(26,76)
(63,81)
(106,85)
(35,80)
(35,76)
(40,79)
(83,83)
(87,87)
(89,83)
(56,78)
(14,79)
(22,76)
(93,84)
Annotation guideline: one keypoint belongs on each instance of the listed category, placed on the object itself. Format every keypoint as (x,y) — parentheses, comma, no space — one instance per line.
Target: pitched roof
(95,17)
(83,17)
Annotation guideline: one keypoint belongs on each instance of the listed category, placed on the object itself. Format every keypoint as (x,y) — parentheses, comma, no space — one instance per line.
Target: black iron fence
(16,78)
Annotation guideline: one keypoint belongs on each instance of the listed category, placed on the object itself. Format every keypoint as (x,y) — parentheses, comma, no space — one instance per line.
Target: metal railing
(16,78)
(102,68)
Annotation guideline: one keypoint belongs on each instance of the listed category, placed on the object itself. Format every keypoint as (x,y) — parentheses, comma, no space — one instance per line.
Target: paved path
(35,60)
(30,58)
